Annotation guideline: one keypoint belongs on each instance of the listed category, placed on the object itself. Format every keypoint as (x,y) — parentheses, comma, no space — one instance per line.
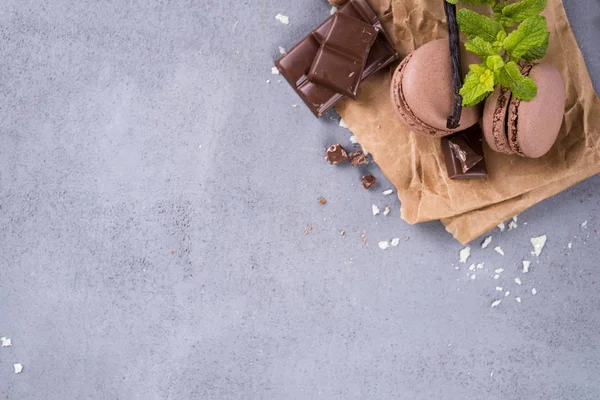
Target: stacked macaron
(422,90)
(526,128)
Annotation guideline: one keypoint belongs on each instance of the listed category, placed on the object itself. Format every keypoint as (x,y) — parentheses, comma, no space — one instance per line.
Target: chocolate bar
(463,154)
(297,62)
(341,60)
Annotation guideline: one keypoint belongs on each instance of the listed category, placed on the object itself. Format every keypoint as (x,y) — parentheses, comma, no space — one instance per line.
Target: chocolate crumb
(322,200)
(336,154)
(308,229)
(368,181)
(357,158)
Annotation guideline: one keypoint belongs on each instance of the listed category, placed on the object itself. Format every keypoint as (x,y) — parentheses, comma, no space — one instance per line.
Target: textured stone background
(154,191)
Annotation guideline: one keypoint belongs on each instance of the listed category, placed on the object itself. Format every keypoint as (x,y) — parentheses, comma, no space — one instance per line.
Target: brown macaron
(421,90)
(526,128)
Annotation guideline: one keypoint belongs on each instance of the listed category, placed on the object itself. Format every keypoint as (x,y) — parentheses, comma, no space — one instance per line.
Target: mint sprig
(516,32)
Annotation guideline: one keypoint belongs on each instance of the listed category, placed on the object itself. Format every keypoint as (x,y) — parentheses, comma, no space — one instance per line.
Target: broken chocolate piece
(368,181)
(341,60)
(462,150)
(295,65)
(357,158)
(336,154)
(467,157)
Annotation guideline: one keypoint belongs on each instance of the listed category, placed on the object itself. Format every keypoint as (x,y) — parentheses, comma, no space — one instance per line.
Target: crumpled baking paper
(414,163)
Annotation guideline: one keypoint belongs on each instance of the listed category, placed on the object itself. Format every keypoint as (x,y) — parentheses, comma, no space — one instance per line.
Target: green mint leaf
(473,24)
(522,87)
(523,9)
(494,63)
(504,21)
(537,52)
(499,43)
(497,7)
(529,35)
(479,83)
(480,47)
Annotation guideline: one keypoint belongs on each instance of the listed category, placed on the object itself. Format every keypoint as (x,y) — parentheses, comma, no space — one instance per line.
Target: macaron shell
(534,125)
(494,120)
(403,110)
(427,85)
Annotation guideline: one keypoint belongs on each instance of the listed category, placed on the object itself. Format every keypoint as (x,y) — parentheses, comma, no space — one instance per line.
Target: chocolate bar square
(341,60)
(295,65)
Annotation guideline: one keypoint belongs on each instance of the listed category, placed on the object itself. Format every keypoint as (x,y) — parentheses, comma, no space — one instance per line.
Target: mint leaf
(523,9)
(479,82)
(538,52)
(499,43)
(473,24)
(529,35)
(497,7)
(494,63)
(480,47)
(523,88)
(504,21)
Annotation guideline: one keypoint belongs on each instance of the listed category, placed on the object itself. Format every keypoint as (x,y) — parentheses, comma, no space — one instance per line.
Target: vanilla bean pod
(454,41)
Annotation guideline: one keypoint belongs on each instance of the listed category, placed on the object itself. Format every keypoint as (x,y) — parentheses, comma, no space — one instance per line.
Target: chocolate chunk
(357,158)
(322,201)
(465,154)
(297,62)
(368,181)
(464,150)
(341,60)
(336,154)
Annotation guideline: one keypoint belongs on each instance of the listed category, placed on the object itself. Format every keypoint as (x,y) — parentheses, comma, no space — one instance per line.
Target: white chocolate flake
(538,244)
(465,254)
(284,19)
(486,242)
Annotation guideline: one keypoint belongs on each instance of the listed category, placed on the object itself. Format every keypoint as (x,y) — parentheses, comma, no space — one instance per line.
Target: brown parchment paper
(414,163)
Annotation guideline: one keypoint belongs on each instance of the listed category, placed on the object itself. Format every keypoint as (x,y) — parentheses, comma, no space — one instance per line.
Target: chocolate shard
(368,181)
(357,158)
(336,154)
(341,60)
(463,154)
(297,62)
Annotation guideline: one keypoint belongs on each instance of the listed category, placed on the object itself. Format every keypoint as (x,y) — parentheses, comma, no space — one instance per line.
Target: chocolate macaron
(526,128)
(421,89)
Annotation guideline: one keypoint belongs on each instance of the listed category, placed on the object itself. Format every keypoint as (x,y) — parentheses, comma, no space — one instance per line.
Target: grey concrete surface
(154,191)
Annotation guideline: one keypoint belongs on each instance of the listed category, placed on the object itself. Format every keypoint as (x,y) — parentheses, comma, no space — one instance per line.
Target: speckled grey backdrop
(154,191)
